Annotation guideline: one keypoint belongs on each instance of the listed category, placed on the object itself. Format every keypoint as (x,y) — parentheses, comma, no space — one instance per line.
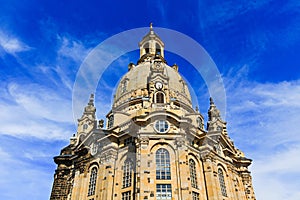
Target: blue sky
(255,45)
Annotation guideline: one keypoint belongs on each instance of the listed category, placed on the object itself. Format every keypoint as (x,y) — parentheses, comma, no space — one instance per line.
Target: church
(153,145)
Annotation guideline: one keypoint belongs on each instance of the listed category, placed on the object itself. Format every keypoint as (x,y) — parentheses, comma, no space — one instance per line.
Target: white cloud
(279,172)
(70,54)
(267,110)
(29,177)
(73,49)
(263,120)
(33,111)
(38,113)
(42,109)
(42,102)
(12,44)
(224,11)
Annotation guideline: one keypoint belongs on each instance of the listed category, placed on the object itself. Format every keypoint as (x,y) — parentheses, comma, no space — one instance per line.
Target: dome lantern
(151,44)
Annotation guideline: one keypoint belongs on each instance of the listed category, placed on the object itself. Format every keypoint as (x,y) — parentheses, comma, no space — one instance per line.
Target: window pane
(92,183)
(195,196)
(126,195)
(163,191)
(193,174)
(222,182)
(163,170)
(161,126)
(127,173)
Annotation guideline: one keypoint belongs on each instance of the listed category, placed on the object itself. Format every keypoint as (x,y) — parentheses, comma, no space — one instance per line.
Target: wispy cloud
(279,172)
(72,48)
(263,120)
(26,165)
(41,101)
(267,111)
(33,111)
(69,56)
(11,44)
(223,12)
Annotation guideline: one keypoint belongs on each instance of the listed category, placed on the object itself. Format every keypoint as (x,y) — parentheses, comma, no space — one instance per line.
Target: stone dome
(144,80)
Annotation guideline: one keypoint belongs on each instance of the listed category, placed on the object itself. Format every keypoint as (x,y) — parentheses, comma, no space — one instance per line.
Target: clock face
(158,85)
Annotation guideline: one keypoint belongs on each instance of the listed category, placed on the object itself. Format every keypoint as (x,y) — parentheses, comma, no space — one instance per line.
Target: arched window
(193,174)
(127,173)
(157,49)
(163,169)
(93,180)
(222,182)
(146,47)
(85,126)
(124,86)
(160,97)
(183,85)
(199,122)
(110,121)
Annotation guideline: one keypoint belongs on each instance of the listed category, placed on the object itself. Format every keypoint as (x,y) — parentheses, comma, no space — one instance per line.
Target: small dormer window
(85,126)
(124,86)
(183,87)
(110,121)
(199,122)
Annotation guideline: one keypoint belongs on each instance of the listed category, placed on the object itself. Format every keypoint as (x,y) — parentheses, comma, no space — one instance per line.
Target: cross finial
(151,26)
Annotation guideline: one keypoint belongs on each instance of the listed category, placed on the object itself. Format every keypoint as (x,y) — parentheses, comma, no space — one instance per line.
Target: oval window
(162,126)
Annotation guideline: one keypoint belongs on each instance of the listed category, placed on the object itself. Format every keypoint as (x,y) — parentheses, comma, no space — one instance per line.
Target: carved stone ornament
(144,140)
(180,142)
(94,149)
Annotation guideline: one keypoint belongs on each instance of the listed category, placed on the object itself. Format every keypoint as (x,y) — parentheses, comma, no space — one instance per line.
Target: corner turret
(88,120)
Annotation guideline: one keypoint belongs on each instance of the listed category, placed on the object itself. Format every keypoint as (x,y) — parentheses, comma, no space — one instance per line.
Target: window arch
(160,97)
(93,180)
(110,121)
(124,86)
(85,126)
(147,48)
(193,173)
(199,122)
(163,169)
(157,49)
(127,173)
(222,182)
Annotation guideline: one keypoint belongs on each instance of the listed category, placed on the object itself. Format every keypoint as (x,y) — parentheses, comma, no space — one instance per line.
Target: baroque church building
(154,145)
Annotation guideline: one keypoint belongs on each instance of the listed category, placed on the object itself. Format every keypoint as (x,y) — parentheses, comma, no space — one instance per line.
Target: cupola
(151,44)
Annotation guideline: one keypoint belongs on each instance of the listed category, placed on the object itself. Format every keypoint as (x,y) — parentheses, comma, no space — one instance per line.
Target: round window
(161,126)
